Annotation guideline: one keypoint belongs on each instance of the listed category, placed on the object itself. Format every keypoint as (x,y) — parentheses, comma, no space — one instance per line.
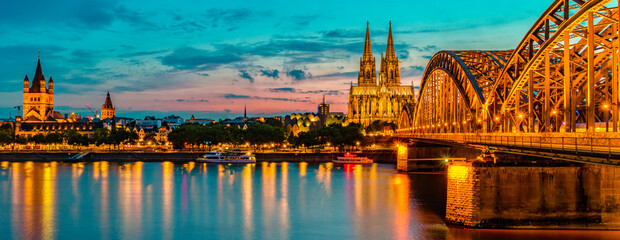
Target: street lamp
(605,113)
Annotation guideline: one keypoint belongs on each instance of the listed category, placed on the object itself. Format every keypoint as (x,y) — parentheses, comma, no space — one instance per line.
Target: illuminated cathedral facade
(371,100)
(39,98)
(38,109)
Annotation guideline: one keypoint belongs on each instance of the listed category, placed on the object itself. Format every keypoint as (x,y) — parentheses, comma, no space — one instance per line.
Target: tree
(101,136)
(379,126)
(121,136)
(78,139)
(237,135)
(293,140)
(309,138)
(5,138)
(177,137)
(53,138)
(263,134)
(274,122)
(149,137)
(37,138)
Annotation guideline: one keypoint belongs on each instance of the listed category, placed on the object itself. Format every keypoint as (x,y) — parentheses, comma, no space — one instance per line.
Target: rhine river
(104,200)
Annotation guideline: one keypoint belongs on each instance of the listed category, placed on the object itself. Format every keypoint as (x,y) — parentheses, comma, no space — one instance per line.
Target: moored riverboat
(227,157)
(352,159)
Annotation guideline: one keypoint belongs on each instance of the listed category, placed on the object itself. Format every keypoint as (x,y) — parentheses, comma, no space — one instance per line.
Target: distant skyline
(213,57)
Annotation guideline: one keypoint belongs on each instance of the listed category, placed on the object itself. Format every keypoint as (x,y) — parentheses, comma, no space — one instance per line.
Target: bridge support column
(402,154)
(615,75)
(590,101)
(530,103)
(568,88)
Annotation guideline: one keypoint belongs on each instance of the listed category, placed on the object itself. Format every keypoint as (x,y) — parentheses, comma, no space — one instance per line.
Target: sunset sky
(209,58)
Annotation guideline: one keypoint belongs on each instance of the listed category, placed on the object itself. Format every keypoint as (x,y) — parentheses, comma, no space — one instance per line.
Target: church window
(367,74)
(392,74)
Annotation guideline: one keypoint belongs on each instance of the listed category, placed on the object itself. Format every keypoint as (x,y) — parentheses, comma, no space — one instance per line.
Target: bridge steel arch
(454,88)
(563,76)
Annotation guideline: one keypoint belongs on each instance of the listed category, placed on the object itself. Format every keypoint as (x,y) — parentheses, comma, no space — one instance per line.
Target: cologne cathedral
(370,101)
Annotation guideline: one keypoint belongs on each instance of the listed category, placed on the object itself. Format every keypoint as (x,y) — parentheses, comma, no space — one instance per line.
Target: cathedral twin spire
(368,74)
(389,71)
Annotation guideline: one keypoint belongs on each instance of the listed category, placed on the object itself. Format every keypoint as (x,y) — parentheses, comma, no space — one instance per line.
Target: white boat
(352,159)
(227,157)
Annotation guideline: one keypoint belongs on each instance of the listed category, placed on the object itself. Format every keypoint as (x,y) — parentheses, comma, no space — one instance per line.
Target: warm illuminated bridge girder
(563,76)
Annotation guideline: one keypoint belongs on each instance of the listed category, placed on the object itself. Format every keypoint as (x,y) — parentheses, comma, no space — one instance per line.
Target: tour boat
(227,157)
(352,159)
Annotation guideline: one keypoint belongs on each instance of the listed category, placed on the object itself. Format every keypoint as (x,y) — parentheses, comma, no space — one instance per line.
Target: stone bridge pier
(422,156)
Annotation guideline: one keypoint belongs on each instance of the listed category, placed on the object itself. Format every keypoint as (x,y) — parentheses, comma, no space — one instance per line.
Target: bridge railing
(573,143)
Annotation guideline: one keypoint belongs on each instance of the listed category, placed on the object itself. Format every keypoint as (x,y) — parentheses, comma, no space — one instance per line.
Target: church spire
(368,74)
(367,46)
(38,79)
(390,68)
(108,102)
(390,53)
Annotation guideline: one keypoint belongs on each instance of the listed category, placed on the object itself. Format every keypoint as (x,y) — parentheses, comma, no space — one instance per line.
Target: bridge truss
(563,76)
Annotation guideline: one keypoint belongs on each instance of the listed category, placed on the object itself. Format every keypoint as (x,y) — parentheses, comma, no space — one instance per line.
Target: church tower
(390,67)
(368,74)
(38,104)
(107,110)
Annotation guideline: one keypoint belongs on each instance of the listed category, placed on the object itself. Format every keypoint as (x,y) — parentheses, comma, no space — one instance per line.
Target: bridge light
(520,115)
(496,118)
(606,106)
(479,120)
(453,123)
(554,112)
(464,122)
(445,124)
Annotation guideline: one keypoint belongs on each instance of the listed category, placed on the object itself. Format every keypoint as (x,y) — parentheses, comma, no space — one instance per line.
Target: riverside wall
(377,156)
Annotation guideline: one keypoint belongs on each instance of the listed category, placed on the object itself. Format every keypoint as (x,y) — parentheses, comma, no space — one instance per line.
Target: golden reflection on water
(401,188)
(36,219)
(168,198)
(100,171)
(303,166)
(284,205)
(28,205)
(49,202)
(268,189)
(248,219)
(17,195)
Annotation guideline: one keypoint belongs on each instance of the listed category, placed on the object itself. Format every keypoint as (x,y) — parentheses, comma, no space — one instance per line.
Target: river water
(104,200)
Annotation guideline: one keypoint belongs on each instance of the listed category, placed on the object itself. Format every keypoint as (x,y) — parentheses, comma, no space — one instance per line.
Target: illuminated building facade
(38,109)
(38,103)
(107,109)
(370,101)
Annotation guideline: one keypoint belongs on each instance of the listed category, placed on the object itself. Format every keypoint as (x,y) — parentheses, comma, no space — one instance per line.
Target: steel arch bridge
(562,77)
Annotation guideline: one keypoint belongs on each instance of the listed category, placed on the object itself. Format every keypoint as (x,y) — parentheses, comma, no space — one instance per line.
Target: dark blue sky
(212,57)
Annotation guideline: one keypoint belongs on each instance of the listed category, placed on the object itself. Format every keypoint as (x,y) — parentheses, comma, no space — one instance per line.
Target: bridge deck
(603,149)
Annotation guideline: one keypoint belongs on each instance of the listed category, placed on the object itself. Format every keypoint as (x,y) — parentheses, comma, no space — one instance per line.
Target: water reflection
(104,200)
